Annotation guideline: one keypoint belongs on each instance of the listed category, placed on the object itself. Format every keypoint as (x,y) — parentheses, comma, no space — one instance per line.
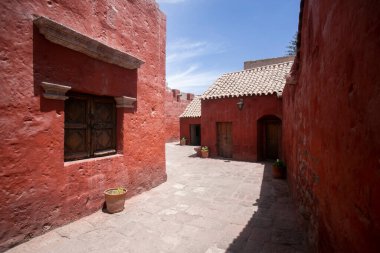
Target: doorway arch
(269,137)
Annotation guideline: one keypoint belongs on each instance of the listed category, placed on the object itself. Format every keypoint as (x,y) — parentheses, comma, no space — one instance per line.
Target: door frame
(261,136)
(221,154)
(192,138)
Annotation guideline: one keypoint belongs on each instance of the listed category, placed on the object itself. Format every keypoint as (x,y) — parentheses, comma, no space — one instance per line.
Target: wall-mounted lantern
(240,104)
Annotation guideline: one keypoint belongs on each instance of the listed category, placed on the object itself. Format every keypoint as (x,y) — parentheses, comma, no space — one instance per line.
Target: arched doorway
(268,138)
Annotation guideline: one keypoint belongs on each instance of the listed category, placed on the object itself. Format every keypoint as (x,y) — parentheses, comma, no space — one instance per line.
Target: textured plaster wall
(244,122)
(38,190)
(331,125)
(173,109)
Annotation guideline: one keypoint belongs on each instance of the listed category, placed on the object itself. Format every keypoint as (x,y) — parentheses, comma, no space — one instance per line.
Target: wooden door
(224,139)
(272,138)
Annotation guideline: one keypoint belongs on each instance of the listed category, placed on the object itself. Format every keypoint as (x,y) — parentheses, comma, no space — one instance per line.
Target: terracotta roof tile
(264,80)
(193,110)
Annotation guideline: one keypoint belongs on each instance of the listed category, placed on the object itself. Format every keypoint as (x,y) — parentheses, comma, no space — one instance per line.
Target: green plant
(292,47)
(204,148)
(183,138)
(117,191)
(279,164)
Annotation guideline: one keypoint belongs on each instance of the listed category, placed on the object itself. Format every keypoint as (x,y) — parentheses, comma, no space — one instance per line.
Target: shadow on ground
(274,227)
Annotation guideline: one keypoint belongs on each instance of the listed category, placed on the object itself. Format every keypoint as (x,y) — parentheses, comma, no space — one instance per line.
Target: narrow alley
(206,205)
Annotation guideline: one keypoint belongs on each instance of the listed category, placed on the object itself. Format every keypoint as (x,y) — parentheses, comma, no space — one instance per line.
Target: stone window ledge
(66,37)
(125,102)
(55,91)
(89,160)
(58,92)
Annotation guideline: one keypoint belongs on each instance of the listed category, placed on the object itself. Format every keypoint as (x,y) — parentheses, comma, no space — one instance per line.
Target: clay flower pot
(276,172)
(204,154)
(182,142)
(279,169)
(115,199)
(204,151)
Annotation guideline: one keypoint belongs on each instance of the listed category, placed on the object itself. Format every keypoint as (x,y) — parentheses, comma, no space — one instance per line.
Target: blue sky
(206,38)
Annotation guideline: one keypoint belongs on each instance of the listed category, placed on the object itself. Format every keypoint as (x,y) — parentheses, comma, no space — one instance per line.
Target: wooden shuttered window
(90,126)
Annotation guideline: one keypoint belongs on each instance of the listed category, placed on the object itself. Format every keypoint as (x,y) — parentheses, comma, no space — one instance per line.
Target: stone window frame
(54,91)
(64,36)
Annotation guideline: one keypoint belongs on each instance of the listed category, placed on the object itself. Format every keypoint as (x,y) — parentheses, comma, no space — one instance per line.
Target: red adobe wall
(331,125)
(244,122)
(39,191)
(185,127)
(174,106)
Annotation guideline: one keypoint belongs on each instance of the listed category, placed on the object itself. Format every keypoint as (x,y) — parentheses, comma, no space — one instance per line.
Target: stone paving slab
(207,205)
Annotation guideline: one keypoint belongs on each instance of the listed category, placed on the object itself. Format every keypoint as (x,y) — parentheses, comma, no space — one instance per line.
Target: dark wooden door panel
(76,110)
(103,111)
(228,141)
(224,139)
(272,140)
(75,140)
(103,142)
(77,133)
(103,126)
(76,144)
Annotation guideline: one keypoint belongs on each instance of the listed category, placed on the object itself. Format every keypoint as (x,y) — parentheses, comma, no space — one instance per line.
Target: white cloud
(193,79)
(184,65)
(183,49)
(186,44)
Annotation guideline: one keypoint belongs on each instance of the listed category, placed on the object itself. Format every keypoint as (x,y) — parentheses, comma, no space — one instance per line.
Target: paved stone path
(207,205)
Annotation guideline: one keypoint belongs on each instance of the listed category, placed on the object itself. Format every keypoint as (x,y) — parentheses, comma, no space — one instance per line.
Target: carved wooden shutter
(77,132)
(90,126)
(103,127)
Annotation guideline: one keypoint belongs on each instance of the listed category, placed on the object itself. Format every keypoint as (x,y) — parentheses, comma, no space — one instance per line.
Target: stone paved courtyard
(207,205)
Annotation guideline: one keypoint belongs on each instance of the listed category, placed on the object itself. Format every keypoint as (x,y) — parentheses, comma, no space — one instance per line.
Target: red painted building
(81,108)
(190,123)
(242,112)
(175,104)
(331,122)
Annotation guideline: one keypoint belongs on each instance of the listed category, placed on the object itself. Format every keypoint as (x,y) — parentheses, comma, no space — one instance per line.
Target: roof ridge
(193,109)
(262,80)
(272,58)
(261,67)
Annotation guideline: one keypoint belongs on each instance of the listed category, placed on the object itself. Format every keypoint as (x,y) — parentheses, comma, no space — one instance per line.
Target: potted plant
(183,141)
(204,152)
(279,169)
(115,199)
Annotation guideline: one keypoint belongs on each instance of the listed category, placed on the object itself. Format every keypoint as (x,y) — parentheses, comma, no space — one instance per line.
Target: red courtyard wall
(175,105)
(185,127)
(331,125)
(39,191)
(244,122)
